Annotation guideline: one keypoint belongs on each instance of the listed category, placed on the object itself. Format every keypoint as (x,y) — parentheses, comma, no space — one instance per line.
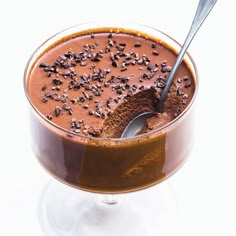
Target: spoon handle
(203,9)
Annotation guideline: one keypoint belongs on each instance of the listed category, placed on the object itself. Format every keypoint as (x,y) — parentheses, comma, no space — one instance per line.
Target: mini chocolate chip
(111,42)
(150,67)
(44,87)
(45,99)
(119,91)
(163,69)
(57,81)
(188,84)
(49,117)
(83,63)
(155,53)
(91,112)
(137,45)
(179,91)
(179,80)
(57,111)
(114,64)
(43,65)
(82,99)
(153,45)
(85,95)
(106,84)
(74,100)
(76,86)
(48,95)
(123,68)
(108,102)
(122,44)
(97,114)
(124,79)
(70,111)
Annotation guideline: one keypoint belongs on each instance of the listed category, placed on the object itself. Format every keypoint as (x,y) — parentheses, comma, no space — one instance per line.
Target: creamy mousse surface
(93,84)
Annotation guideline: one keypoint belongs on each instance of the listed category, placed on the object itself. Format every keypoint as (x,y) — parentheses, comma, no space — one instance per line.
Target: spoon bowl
(138,122)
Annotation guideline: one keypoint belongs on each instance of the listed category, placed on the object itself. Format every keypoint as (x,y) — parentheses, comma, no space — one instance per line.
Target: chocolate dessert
(86,87)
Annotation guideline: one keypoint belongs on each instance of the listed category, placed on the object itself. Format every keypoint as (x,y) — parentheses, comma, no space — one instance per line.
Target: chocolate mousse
(85,86)
(94,84)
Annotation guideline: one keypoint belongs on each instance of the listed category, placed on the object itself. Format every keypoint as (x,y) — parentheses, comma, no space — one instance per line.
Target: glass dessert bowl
(107,165)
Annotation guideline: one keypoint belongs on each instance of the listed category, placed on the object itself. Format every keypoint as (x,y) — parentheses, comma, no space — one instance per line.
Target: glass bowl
(106,165)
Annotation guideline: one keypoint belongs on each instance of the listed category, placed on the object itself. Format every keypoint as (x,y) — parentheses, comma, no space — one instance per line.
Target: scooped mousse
(86,86)
(94,84)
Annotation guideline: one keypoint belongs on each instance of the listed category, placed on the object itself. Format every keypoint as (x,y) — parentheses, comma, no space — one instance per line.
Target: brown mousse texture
(93,84)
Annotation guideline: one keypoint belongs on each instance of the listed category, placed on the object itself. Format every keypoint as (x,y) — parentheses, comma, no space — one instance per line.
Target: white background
(205,186)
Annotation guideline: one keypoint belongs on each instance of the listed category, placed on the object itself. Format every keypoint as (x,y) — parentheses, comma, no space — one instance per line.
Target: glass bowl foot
(65,211)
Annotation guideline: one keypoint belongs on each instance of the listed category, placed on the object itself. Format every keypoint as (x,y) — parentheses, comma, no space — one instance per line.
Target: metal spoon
(136,124)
